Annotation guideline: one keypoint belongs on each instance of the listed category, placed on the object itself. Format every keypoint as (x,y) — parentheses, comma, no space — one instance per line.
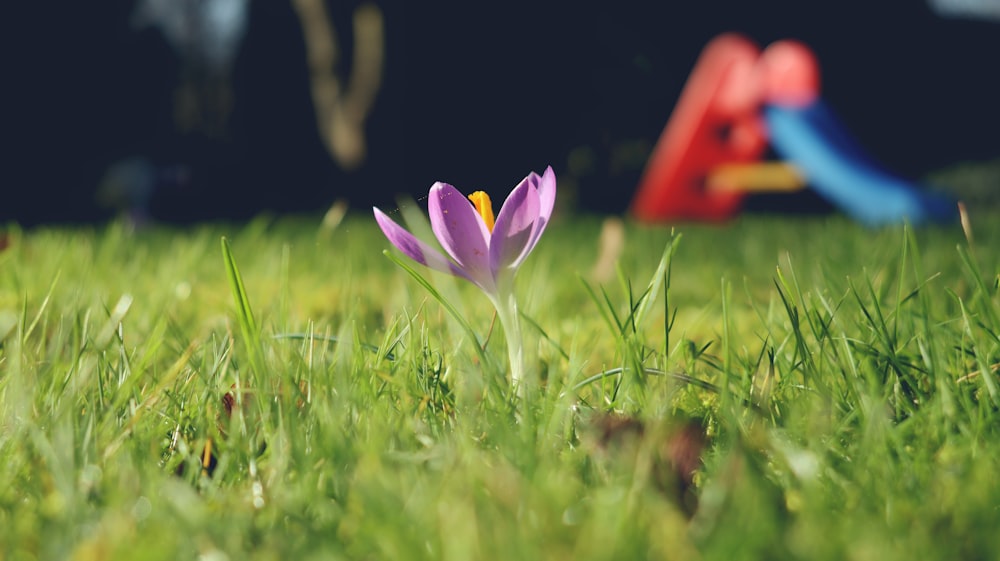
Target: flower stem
(506,305)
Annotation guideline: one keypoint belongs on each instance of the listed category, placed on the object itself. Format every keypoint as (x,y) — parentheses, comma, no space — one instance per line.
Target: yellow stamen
(484,207)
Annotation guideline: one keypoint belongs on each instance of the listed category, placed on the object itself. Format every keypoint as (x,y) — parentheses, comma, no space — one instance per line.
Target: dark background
(475,94)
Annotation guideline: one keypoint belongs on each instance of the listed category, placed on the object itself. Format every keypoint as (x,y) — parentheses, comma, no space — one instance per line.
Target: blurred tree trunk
(342,108)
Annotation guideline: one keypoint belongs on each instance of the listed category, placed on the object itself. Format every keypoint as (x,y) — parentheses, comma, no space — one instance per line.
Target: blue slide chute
(813,140)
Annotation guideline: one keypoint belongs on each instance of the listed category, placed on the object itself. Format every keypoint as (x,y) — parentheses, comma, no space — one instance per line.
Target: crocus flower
(479,249)
(482,251)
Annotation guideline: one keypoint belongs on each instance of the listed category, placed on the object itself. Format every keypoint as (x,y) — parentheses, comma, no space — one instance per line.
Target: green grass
(845,380)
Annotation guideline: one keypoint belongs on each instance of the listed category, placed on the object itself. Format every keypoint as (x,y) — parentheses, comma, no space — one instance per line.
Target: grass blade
(249,330)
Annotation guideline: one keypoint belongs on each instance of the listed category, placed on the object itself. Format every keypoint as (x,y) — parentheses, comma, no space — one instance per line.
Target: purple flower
(481,251)
(478,250)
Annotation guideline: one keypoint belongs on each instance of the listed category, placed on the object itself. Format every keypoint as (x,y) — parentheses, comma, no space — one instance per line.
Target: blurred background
(187,110)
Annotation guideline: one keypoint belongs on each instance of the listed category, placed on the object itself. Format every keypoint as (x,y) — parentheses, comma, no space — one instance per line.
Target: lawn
(773,388)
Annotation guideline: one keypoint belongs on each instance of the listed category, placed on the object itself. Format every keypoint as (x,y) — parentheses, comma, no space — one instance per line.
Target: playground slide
(835,166)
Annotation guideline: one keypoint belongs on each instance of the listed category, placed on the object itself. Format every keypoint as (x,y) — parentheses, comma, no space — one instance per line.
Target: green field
(834,387)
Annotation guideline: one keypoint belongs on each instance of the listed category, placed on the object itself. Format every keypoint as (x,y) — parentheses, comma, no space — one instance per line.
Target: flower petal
(462,233)
(416,249)
(546,202)
(547,194)
(515,225)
